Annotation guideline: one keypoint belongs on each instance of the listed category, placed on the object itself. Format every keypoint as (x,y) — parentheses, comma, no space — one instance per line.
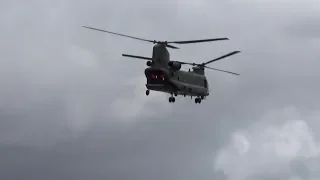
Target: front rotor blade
(138,57)
(221,70)
(118,34)
(198,41)
(170,46)
(221,57)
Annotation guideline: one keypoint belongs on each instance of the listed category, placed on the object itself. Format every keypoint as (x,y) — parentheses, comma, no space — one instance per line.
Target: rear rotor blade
(198,41)
(201,65)
(221,70)
(192,64)
(221,57)
(138,57)
(118,34)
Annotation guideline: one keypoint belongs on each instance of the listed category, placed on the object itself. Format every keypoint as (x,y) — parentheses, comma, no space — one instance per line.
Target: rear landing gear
(147,92)
(172,99)
(197,100)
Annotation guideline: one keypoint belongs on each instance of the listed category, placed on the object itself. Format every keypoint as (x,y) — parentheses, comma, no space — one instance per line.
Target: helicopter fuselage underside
(159,79)
(188,91)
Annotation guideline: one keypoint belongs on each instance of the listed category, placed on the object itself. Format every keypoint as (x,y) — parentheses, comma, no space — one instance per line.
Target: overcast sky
(71,107)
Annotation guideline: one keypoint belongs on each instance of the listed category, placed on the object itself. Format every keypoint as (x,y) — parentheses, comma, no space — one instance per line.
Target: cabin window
(205,83)
(178,77)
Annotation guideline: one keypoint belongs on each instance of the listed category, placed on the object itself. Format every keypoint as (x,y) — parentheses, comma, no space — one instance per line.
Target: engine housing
(174,65)
(149,63)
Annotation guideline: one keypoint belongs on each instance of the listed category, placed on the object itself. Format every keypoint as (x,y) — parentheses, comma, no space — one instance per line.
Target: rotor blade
(118,34)
(138,57)
(198,41)
(192,64)
(170,46)
(221,70)
(221,57)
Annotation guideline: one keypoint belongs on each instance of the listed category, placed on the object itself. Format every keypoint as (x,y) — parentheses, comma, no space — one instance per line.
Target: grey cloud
(64,88)
(108,153)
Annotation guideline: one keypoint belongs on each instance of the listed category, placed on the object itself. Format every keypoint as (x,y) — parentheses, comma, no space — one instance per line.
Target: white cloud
(82,57)
(268,148)
(138,104)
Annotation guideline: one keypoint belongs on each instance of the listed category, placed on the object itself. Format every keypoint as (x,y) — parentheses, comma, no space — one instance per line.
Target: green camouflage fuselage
(161,77)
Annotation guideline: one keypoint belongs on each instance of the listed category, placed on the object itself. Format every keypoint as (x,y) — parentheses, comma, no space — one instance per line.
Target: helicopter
(165,75)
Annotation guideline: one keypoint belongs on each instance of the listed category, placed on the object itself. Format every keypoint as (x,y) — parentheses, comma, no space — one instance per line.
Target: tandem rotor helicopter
(164,75)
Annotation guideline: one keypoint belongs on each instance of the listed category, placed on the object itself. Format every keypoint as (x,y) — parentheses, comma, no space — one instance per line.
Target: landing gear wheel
(175,94)
(197,100)
(147,92)
(172,99)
